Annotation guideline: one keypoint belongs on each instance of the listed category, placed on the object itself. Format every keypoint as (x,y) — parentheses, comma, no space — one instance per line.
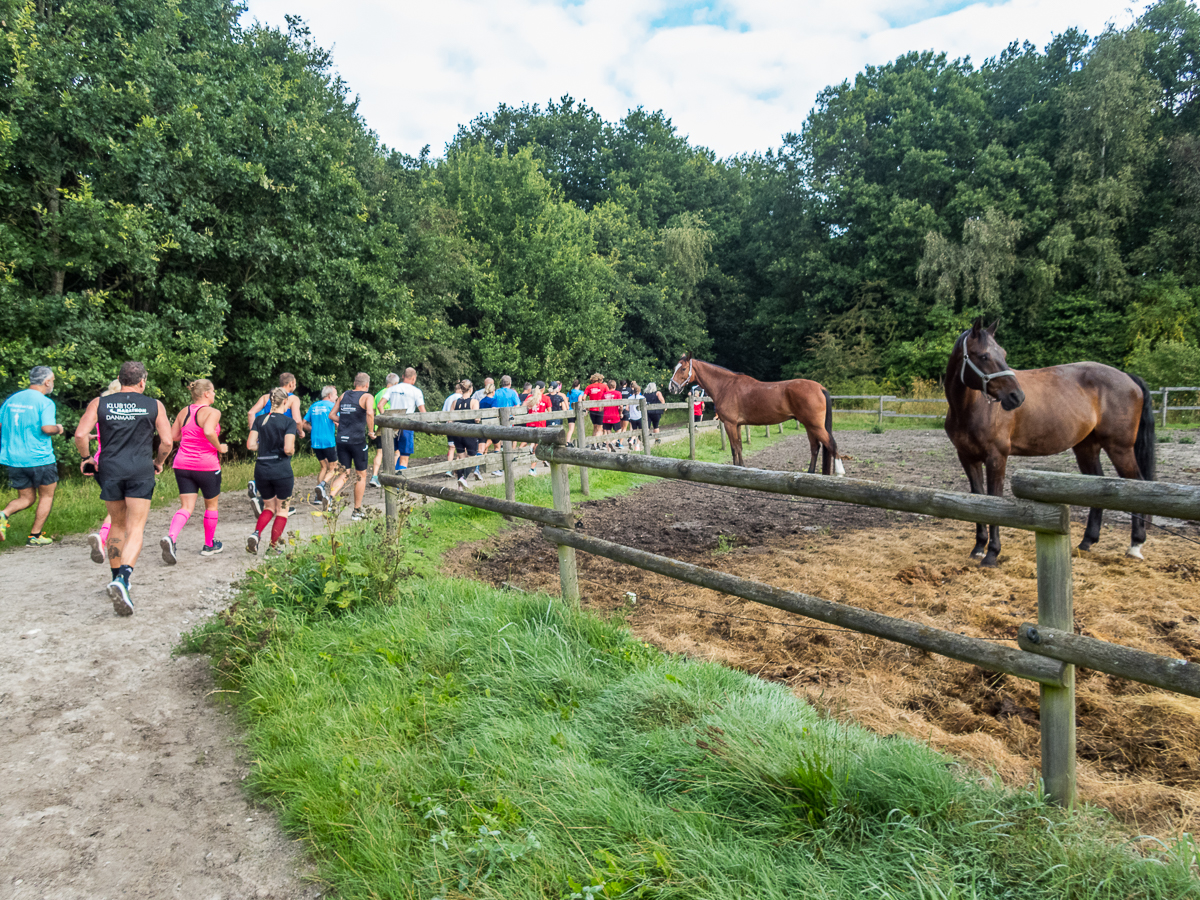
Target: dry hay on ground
(1139,748)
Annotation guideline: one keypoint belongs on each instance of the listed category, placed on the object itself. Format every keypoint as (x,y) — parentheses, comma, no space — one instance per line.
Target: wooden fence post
(691,414)
(766,431)
(1165,392)
(506,457)
(387,437)
(645,426)
(1056,610)
(568,574)
(881,409)
(721,434)
(581,423)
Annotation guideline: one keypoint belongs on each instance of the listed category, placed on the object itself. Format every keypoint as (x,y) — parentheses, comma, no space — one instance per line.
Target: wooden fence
(1047,651)
(1163,405)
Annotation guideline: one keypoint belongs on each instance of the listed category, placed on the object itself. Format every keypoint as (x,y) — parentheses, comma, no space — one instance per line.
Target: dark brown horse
(741,400)
(1087,407)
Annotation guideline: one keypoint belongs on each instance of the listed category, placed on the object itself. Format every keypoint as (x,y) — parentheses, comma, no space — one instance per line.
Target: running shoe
(3,526)
(168,550)
(462,484)
(358,515)
(40,541)
(400,468)
(291,510)
(531,470)
(319,493)
(252,542)
(213,549)
(118,593)
(374,482)
(477,475)
(449,474)
(257,503)
(251,489)
(97,546)
(326,500)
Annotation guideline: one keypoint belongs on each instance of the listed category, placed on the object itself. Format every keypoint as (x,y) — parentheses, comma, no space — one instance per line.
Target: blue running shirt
(323,429)
(24,445)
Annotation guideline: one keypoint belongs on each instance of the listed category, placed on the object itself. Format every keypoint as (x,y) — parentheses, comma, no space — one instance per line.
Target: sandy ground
(122,776)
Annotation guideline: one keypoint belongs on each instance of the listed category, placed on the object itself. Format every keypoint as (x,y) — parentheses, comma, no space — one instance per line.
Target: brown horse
(1086,407)
(741,400)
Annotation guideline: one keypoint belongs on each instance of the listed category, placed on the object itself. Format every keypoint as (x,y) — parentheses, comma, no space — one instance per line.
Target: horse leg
(734,433)
(814,447)
(995,488)
(1125,462)
(974,470)
(1087,456)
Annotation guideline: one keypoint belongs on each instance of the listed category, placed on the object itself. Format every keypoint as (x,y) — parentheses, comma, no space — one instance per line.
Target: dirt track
(121,777)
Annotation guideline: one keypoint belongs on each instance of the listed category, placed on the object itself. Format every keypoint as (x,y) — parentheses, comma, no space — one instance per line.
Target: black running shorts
(280,486)
(21,478)
(356,455)
(596,415)
(325,454)
(193,482)
(114,489)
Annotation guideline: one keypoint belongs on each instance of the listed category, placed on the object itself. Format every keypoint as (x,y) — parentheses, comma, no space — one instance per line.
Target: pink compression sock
(177,522)
(104,533)
(210,526)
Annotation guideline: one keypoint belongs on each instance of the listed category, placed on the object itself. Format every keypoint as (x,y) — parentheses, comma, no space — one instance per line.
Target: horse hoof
(1135,550)
(989,562)
(1085,545)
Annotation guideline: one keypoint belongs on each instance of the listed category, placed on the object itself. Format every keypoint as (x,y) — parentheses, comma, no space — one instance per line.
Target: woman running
(466,447)
(653,395)
(536,402)
(197,431)
(98,540)
(635,415)
(273,437)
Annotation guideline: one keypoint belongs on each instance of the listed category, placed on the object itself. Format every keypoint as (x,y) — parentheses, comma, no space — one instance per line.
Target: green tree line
(183,188)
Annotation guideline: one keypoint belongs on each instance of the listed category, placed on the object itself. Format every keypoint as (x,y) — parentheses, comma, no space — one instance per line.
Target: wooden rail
(1179,501)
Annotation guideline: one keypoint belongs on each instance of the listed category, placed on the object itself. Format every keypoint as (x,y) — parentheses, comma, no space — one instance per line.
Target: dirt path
(121,776)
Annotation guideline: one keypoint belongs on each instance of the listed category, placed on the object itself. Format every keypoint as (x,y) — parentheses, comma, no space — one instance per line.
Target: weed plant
(441,739)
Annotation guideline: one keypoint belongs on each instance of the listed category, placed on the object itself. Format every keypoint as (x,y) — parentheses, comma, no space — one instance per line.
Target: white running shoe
(251,489)
(252,543)
(168,550)
(358,515)
(97,546)
(476,474)
(257,502)
(119,595)
(374,482)
(462,484)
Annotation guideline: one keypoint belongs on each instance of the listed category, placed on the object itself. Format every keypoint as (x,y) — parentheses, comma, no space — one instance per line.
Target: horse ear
(991,329)
(977,326)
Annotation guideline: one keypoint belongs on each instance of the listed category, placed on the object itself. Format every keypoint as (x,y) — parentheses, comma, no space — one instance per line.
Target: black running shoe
(213,550)
(118,593)
(251,489)
(252,542)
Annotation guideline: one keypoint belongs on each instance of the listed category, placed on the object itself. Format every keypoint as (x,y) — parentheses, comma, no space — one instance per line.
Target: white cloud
(422,69)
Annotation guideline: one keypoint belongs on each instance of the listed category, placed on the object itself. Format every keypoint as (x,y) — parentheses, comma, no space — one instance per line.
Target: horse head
(983,362)
(682,377)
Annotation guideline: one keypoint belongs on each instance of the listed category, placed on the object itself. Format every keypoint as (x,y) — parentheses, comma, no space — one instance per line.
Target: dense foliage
(201,194)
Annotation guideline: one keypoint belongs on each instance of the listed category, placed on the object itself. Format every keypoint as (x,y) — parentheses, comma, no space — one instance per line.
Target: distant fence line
(1047,652)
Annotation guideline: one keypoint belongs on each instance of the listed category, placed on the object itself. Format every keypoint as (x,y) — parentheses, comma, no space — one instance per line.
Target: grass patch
(78,507)
(434,738)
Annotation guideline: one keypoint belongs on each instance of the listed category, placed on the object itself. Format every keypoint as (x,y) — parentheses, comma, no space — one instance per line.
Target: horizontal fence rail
(987,654)
(1179,501)
(471,430)
(945,504)
(480,501)
(1176,675)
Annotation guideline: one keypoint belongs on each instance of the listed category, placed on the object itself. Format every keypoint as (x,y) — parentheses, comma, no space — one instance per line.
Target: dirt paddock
(1139,748)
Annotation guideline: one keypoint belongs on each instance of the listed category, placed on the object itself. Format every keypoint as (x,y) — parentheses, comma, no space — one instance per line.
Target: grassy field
(433,738)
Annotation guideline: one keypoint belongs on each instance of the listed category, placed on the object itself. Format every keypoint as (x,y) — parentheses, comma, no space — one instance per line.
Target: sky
(733,76)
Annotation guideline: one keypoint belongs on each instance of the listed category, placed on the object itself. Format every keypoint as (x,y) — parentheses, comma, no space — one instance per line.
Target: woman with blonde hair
(197,465)
(273,438)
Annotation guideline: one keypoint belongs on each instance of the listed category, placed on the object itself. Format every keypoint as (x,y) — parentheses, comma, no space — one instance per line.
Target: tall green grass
(441,739)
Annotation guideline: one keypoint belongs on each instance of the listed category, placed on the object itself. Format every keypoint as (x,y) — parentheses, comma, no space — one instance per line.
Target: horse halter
(683,385)
(983,377)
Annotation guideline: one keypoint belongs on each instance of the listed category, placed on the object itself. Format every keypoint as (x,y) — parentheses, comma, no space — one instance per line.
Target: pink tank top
(195,453)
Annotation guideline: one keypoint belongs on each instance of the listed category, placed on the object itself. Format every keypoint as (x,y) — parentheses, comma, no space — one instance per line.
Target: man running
(354,415)
(596,390)
(324,438)
(26,426)
(405,398)
(127,422)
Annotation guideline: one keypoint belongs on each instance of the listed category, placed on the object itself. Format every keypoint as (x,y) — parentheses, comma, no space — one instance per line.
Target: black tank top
(463,403)
(126,427)
(352,420)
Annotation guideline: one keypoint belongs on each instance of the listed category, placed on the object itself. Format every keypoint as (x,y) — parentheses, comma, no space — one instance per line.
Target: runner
(698,404)
(572,397)
(635,416)
(405,398)
(287,381)
(447,405)
(96,539)
(654,395)
(381,405)
(354,415)
(466,447)
(26,425)
(487,401)
(489,387)
(197,465)
(324,439)
(273,437)
(127,422)
(612,414)
(536,402)
(595,391)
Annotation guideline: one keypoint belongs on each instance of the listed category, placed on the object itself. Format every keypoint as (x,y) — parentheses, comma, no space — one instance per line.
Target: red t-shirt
(612,414)
(595,391)
(541,406)
(698,408)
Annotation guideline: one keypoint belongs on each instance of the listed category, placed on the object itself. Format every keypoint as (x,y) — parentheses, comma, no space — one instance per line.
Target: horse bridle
(983,376)
(691,379)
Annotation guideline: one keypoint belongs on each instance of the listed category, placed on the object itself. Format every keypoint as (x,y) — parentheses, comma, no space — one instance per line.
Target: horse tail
(829,464)
(1144,444)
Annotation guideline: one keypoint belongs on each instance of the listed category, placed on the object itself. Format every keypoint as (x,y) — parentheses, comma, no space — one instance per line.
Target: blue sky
(734,75)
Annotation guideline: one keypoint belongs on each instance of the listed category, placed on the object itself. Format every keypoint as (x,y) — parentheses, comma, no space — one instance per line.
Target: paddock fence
(1161,409)
(1048,651)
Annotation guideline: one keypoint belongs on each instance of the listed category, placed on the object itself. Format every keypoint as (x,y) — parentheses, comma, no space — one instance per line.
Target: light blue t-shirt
(573,395)
(24,445)
(323,429)
(506,396)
